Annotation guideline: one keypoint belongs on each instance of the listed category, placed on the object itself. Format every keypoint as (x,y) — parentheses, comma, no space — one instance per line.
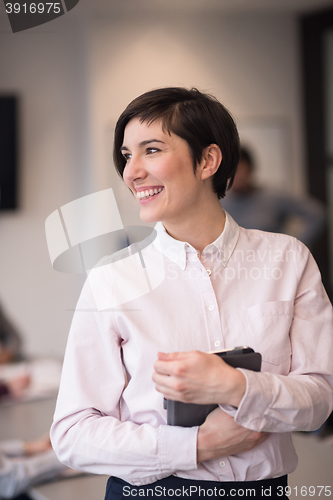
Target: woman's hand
(6,355)
(198,377)
(38,446)
(18,385)
(220,436)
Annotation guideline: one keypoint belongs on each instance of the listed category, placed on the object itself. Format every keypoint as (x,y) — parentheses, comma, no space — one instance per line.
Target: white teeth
(147,194)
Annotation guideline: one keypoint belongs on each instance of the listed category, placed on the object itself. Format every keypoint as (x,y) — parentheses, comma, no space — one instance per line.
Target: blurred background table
(88,487)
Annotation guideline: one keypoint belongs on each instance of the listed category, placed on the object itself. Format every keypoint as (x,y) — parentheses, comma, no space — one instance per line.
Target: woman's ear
(210,162)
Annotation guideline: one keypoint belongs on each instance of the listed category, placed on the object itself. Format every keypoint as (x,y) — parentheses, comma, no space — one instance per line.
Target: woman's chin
(147,216)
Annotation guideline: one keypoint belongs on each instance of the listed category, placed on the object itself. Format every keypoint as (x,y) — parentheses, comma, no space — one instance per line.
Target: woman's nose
(134,169)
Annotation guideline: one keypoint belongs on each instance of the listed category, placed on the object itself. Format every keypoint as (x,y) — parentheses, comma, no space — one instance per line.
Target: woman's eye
(127,156)
(152,150)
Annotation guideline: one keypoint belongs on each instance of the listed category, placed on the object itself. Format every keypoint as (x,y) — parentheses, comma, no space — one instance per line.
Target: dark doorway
(317,54)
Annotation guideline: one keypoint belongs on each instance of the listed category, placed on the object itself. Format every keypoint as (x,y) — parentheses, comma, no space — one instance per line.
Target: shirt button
(211,308)
(217,343)
(244,419)
(221,464)
(209,272)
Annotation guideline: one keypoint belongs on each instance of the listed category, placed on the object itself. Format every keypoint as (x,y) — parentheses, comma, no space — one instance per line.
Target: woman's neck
(201,229)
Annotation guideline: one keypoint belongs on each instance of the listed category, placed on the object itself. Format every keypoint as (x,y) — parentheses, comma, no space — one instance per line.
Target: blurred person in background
(11,351)
(15,387)
(10,340)
(254,207)
(24,464)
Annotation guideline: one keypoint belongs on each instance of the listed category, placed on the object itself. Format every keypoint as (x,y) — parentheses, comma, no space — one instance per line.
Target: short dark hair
(198,118)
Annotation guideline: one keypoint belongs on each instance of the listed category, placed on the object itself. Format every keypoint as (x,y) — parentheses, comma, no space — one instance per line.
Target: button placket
(207,292)
(223,469)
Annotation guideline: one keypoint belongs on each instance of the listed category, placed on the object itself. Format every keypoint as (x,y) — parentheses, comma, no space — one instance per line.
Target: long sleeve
(303,399)
(311,213)
(89,432)
(18,475)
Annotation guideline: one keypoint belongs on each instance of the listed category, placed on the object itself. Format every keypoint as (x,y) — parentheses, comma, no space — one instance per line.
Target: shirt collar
(176,250)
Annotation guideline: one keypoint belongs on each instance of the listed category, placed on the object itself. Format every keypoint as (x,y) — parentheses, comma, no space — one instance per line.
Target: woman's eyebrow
(142,144)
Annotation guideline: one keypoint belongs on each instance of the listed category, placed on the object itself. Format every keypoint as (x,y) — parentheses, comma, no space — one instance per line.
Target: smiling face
(159,171)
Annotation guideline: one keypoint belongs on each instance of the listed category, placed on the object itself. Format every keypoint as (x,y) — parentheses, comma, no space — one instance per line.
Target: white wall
(74,81)
(46,67)
(250,62)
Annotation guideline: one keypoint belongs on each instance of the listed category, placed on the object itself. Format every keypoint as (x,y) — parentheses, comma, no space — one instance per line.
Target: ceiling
(236,6)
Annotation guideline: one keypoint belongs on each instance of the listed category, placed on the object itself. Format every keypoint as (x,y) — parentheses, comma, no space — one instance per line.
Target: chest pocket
(268,332)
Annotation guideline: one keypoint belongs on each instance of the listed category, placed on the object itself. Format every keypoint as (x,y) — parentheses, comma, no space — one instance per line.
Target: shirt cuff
(233,410)
(257,398)
(178,448)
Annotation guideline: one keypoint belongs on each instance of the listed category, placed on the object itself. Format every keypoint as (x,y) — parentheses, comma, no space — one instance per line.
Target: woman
(144,324)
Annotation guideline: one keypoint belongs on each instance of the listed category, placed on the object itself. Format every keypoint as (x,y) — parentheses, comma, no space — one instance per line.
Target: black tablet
(189,414)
